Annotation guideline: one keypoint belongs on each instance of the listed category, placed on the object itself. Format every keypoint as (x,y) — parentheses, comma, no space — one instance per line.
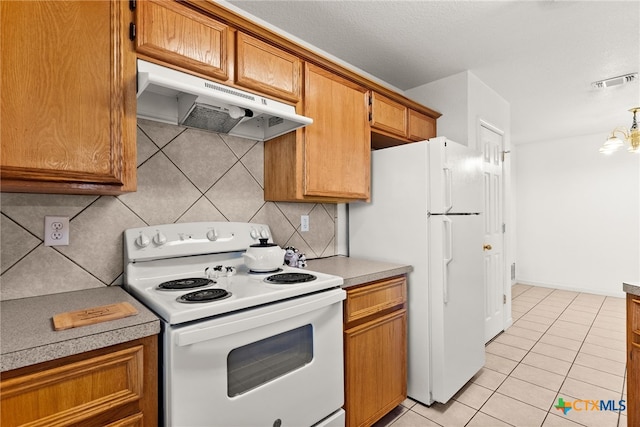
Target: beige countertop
(27,336)
(356,271)
(631,287)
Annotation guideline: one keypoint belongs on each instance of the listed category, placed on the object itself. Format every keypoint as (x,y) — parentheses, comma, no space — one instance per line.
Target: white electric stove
(238,348)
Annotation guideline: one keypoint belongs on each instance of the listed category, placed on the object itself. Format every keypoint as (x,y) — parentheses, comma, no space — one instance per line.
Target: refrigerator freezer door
(455,177)
(457,303)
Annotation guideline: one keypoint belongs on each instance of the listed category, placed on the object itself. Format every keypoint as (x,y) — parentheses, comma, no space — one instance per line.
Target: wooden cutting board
(93,315)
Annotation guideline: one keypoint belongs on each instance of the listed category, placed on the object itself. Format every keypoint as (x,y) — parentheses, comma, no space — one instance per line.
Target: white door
(491,142)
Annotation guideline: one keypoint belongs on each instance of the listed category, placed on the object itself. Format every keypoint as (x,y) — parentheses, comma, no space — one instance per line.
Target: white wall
(449,96)
(578,215)
(464,99)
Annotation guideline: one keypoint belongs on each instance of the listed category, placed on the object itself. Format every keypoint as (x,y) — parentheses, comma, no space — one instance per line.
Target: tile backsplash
(184,175)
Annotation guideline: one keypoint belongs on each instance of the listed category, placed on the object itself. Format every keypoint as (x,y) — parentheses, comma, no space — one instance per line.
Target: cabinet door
(633,360)
(337,146)
(388,115)
(68,97)
(175,34)
(421,127)
(267,69)
(375,368)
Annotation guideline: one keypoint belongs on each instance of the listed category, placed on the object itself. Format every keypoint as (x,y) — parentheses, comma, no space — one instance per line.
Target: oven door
(275,365)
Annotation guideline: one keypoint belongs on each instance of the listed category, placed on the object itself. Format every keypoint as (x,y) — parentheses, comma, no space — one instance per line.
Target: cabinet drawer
(75,393)
(375,297)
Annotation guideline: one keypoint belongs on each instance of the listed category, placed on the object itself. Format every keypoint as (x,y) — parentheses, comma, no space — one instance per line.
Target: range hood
(170,96)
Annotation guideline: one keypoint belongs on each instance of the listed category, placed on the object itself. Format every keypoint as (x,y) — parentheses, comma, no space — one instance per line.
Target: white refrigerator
(426,211)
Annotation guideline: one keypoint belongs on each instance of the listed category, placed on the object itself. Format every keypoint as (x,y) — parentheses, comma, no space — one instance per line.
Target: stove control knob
(212,235)
(254,233)
(142,241)
(159,239)
(264,234)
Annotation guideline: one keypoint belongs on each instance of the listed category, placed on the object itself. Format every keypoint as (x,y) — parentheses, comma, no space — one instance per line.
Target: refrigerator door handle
(448,203)
(447,243)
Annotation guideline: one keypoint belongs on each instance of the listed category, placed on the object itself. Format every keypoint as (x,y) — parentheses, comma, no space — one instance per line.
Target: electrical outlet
(56,230)
(304,222)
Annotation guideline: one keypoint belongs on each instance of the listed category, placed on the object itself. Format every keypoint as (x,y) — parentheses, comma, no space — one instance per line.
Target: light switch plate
(56,230)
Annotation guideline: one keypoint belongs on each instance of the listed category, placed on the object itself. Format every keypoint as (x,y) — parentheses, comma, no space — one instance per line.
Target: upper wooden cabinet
(393,123)
(267,69)
(388,115)
(329,160)
(173,33)
(68,97)
(420,126)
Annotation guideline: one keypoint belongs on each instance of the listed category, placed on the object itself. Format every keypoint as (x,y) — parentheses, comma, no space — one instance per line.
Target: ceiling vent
(615,81)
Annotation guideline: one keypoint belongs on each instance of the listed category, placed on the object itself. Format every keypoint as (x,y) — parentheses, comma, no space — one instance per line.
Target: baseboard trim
(618,294)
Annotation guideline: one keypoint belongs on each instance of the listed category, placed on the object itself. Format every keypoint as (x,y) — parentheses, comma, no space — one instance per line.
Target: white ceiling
(540,56)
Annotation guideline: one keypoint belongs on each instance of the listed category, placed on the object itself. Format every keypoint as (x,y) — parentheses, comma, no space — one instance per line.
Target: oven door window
(262,361)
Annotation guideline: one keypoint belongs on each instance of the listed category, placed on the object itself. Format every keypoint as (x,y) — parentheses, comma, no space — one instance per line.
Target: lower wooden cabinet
(633,360)
(115,386)
(375,350)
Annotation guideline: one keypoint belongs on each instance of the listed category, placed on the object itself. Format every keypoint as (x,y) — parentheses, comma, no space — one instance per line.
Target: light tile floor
(562,344)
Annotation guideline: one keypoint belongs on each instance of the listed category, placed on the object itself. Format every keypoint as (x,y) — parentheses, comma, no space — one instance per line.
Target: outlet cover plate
(304,222)
(56,230)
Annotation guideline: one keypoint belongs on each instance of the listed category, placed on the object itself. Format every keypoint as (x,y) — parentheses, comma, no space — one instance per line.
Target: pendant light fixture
(632,137)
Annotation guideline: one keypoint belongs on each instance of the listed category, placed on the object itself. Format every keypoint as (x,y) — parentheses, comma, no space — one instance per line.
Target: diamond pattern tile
(237,195)
(254,162)
(146,147)
(15,242)
(29,210)
(184,175)
(202,156)
(319,220)
(301,245)
(281,229)
(160,133)
(240,146)
(164,193)
(293,211)
(45,271)
(202,210)
(97,234)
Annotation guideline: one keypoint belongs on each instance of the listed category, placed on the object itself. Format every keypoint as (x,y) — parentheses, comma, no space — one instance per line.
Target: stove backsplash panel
(184,175)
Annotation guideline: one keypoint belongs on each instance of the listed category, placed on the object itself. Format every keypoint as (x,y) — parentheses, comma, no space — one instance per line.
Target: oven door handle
(260,317)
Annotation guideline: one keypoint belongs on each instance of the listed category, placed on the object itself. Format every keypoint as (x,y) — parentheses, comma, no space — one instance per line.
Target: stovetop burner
(204,295)
(275,270)
(183,284)
(290,278)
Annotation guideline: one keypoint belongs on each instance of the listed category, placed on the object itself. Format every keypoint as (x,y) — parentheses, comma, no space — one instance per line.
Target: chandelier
(631,137)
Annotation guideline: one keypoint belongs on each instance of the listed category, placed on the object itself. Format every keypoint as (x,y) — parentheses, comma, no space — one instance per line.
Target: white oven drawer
(279,364)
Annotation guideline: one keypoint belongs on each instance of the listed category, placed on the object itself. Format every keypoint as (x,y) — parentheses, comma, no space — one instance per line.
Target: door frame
(507,319)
